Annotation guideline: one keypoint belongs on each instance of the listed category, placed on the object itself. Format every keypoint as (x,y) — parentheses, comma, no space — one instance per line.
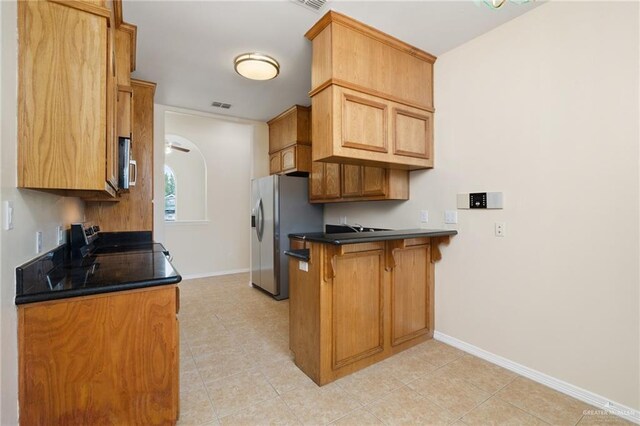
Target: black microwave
(127,166)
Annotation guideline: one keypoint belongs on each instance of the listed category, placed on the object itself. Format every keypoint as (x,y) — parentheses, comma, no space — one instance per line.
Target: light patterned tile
(269,412)
(217,365)
(239,391)
(450,392)
(285,375)
(593,416)
(196,408)
(315,405)
(406,407)
(488,377)
(496,412)
(436,353)
(543,402)
(359,417)
(408,366)
(369,384)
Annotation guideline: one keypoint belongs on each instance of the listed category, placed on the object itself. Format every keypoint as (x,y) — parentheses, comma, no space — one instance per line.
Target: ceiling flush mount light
(256,66)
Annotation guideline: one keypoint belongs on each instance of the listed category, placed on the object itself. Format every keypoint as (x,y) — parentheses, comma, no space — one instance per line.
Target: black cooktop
(108,269)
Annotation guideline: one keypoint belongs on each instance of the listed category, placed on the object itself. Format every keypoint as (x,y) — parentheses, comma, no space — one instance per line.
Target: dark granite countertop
(371,236)
(117,267)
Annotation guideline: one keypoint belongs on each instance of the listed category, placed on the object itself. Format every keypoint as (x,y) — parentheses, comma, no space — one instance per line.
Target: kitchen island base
(353,305)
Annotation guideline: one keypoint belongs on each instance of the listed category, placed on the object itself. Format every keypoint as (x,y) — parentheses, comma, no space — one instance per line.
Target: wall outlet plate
(500,229)
(424,216)
(343,220)
(303,266)
(450,216)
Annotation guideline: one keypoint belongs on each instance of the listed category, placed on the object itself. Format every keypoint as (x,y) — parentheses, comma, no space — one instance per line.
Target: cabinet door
(332,180)
(411,293)
(364,122)
(351,180)
(357,305)
(62,77)
(412,132)
(124,113)
(288,158)
(112,111)
(316,181)
(373,181)
(274,163)
(119,351)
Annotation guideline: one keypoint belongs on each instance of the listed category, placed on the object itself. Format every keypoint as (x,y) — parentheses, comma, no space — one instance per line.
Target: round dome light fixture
(256,66)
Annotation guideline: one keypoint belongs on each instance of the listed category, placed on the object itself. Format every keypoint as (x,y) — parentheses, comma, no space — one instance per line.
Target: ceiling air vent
(314,5)
(220,105)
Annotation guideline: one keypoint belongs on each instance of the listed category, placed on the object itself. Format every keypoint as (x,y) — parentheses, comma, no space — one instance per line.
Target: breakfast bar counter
(358,298)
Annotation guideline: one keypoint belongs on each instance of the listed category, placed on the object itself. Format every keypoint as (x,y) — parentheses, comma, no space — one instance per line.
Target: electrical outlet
(424,216)
(343,220)
(303,266)
(450,216)
(8,215)
(60,233)
(38,241)
(501,229)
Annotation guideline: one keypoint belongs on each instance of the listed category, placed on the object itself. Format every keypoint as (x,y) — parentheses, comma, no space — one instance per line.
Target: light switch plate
(7,222)
(60,233)
(38,241)
(303,266)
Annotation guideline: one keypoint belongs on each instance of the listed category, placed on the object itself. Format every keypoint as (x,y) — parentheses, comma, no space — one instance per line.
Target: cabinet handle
(134,166)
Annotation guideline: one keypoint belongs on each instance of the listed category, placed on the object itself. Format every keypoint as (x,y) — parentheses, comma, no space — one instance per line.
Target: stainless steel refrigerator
(280,206)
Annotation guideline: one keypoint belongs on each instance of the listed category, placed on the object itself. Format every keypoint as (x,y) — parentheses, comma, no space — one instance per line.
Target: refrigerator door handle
(260,227)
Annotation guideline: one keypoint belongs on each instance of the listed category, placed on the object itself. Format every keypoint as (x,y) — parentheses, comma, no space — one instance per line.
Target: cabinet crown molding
(344,20)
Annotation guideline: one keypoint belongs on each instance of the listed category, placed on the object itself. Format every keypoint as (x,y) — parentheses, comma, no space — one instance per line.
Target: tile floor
(236,369)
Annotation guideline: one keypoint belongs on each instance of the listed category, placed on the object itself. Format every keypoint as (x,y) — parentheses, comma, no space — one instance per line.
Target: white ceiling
(188,47)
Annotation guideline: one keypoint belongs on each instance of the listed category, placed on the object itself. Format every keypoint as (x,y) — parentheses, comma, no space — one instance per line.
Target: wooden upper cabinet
(126,35)
(134,211)
(289,140)
(332,182)
(64,98)
(372,97)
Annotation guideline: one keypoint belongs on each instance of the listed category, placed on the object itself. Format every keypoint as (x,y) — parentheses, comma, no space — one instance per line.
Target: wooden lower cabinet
(102,359)
(358,304)
(331,182)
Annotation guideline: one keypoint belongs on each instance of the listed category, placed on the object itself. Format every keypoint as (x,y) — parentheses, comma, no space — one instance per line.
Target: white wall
(544,108)
(221,244)
(33,211)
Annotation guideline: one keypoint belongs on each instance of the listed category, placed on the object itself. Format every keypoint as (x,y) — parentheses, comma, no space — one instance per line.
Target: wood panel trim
(287,112)
(338,18)
(335,363)
(144,83)
(369,91)
(85,7)
(117,13)
(367,102)
(436,255)
(428,119)
(133,31)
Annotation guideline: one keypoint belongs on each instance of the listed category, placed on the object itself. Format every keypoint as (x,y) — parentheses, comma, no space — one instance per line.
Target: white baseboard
(214,274)
(561,386)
